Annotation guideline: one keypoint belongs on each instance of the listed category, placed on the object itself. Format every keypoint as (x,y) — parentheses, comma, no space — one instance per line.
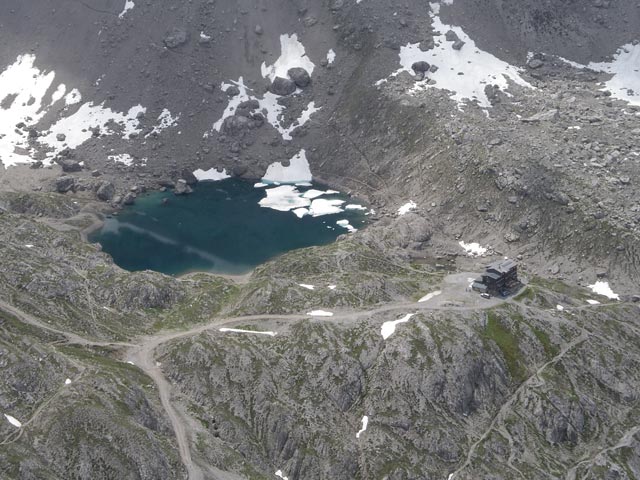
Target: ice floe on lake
(473,249)
(603,288)
(464,72)
(407,207)
(365,423)
(284,198)
(239,330)
(345,224)
(298,171)
(212,174)
(13,421)
(388,328)
(320,313)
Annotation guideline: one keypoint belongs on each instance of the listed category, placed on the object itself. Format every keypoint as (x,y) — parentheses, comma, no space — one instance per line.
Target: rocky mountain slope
(510,125)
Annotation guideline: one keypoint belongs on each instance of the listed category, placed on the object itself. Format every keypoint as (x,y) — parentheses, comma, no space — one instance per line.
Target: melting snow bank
(473,249)
(625,68)
(128,5)
(407,207)
(388,328)
(13,421)
(28,95)
(320,313)
(212,174)
(429,296)
(365,422)
(298,170)
(292,55)
(464,72)
(603,288)
(239,330)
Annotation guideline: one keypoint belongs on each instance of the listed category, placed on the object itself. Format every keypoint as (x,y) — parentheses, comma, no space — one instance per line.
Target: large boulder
(182,188)
(420,67)
(64,184)
(106,191)
(176,37)
(299,76)
(282,86)
(70,166)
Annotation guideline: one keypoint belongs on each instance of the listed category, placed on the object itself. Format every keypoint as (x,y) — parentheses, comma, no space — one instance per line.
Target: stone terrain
(463,390)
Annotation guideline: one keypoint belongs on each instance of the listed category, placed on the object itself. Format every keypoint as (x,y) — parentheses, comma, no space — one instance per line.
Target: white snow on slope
(128,5)
(603,288)
(297,171)
(67,381)
(429,296)
(239,330)
(268,106)
(331,56)
(123,158)
(365,422)
(13,421)
(24,91)
(625,70)
(473,249)
(388,328)
(165,120)
(211,175)
(407,207)
(320,313)
(281,475)
(307,286)
(478,68)
(292,55)
(590,301)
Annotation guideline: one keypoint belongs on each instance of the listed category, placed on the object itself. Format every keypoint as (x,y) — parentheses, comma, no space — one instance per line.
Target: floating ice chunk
(473,249)
(320,313)
(478,68)
(212,174)
(593,302)
(429,296)
(281,475)
(603,288)
(388,328)
(260,185)
(321,206)
(123,158)
(128,5)
(353,206)
(239,330)
(307,286)
(67,381)
(560,308)
(365,422)
(331,55)
(347,225)
(313,193)
(297,171)
(292,55)
(301,212)
(13,421)
(284,198)
(407,207)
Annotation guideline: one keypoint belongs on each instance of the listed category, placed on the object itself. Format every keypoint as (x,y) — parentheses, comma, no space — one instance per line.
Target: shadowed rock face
(546,173)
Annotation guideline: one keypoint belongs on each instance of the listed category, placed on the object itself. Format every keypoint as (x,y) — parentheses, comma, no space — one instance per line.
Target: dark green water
(219,228)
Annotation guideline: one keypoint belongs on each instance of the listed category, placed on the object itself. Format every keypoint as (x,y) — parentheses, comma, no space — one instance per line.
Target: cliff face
(514,126)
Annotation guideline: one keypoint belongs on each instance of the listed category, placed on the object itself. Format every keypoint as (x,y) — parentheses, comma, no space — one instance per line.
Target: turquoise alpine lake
(222,228)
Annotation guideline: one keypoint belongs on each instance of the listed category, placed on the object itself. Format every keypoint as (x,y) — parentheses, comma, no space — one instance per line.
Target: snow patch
(297,171)
(239,330)
(128,5)
(13,421)
(292,55)
(478,68)
(320,313)
(407,207)
(560,308)
(307,286)
(165,120)
(123,158)
(331,56)
(211,175)
(388,328)
(593,302)
(67,381)
(473,249)
(281,475)
(603,288)
(429,296)
(365,422)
